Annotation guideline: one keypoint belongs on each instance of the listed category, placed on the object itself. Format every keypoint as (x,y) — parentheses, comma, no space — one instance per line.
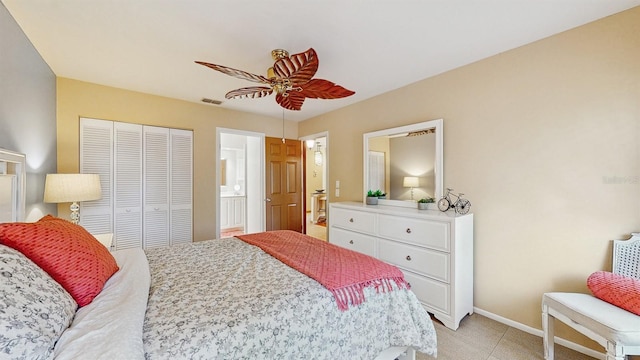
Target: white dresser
(433,249)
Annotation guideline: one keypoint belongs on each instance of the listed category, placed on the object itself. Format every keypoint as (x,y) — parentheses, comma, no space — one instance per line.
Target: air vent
(211,101)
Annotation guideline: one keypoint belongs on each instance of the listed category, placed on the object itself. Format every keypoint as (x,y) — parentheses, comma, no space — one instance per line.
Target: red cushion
(619,290)
(72,256)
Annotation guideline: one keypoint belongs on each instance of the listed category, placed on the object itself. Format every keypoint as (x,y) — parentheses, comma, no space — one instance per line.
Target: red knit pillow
(72,256)
(621,291)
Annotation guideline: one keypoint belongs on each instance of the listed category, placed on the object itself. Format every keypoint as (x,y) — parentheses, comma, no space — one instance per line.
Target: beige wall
(77,99)
(543,140)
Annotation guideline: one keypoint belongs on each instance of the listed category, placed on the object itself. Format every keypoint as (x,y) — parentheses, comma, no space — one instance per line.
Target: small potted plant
(372,197)
(381,194)
(424,203)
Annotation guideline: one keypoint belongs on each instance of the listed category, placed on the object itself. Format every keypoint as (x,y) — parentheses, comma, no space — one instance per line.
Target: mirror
(405,162)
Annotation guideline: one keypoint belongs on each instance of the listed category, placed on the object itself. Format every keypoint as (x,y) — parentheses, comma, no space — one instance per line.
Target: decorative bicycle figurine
(461,205)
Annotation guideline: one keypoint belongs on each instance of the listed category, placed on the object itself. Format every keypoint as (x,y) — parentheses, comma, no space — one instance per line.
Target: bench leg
(548,333)
(614,352)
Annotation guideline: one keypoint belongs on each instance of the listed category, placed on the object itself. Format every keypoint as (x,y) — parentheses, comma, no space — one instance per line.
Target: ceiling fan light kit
(290,77)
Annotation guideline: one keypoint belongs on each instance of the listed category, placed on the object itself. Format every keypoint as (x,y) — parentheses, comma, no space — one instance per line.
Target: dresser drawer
(416,231)
(353,241)
(353,220)
(430,292)
(424,261)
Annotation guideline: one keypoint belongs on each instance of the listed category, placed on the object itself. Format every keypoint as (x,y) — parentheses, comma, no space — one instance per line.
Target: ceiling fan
(290,77)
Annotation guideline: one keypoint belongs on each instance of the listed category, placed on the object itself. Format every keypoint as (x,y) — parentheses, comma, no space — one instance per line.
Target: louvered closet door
(96,157)
(181,188)
(155,186)
(128,185)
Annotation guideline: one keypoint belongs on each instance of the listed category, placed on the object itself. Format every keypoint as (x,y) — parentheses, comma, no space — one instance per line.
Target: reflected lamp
(410,182)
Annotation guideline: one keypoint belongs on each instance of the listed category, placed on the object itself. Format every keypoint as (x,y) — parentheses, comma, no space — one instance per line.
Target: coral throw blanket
(342,271)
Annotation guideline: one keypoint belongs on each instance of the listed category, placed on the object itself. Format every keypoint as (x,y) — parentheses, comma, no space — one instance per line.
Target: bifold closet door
(155,185)
(146,174)
(181,186)
(96,157)
(127,178)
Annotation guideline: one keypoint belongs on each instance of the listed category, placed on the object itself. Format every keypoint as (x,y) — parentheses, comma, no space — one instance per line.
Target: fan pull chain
(283,141)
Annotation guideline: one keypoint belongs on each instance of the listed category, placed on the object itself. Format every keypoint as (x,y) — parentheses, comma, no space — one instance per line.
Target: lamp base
(75,212)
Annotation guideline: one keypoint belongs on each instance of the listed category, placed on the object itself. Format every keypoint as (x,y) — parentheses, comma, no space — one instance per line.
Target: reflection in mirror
(405,162)
(223,172)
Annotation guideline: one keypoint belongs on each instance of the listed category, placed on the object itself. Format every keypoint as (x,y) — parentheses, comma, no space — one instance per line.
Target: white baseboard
(533,331)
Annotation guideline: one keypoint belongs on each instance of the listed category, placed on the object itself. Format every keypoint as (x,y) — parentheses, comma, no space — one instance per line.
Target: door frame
(324,134)
(259,202)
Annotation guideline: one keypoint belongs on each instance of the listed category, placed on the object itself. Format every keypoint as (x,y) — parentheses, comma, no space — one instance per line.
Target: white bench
(616,329)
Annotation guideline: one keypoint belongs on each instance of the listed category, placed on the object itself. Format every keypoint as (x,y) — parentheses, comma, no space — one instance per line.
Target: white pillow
(34,310)
(105,239)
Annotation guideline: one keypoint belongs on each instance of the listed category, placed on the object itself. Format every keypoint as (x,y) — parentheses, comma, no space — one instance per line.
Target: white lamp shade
(310,143)
(63,188)
(410,181)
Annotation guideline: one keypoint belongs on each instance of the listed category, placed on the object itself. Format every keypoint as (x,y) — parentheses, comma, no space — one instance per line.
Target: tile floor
(316,231)
(480,338)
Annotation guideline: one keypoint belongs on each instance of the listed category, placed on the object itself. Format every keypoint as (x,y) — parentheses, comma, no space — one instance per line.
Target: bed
(216,299)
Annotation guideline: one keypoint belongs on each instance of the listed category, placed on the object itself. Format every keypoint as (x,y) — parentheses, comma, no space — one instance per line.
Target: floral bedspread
(226,299)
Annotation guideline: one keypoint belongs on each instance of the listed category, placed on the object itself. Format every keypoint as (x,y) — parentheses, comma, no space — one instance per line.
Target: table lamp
(410,182)
(73,188)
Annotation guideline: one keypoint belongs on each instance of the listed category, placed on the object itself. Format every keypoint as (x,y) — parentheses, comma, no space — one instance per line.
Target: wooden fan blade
(236,73)
(323,89)
(291,102)
(299,68)
(249,92)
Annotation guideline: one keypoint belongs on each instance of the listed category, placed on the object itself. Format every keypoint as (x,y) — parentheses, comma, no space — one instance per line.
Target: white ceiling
(370,47)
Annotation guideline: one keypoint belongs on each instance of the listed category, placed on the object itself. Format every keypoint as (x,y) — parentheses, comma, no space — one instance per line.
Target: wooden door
(284,184)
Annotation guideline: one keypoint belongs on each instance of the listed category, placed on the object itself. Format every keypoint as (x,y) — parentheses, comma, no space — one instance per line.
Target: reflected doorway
(316,189)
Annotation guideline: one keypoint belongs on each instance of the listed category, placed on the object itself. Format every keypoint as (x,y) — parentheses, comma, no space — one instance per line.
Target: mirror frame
(18,167)
(439,160)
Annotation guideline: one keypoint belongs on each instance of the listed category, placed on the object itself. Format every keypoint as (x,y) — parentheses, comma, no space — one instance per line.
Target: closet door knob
(408,258)
(408,230)
(351,242)
(351,220)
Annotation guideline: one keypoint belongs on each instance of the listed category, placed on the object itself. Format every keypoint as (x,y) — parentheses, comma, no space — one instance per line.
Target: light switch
(337,184)
(337,192)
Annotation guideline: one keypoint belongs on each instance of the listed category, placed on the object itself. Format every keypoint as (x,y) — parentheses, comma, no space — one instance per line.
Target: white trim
(533,331)
(439,158)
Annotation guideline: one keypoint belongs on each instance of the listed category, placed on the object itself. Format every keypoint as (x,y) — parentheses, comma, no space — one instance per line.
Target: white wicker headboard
(12,186)
(626,256)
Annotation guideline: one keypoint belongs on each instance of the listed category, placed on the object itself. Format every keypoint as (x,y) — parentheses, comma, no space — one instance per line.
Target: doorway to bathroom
(240,182)
(316,190)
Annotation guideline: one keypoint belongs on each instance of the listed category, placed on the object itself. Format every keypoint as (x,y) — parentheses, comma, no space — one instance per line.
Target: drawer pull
(408,258)
(408,230)
(351,220)
(351,242)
